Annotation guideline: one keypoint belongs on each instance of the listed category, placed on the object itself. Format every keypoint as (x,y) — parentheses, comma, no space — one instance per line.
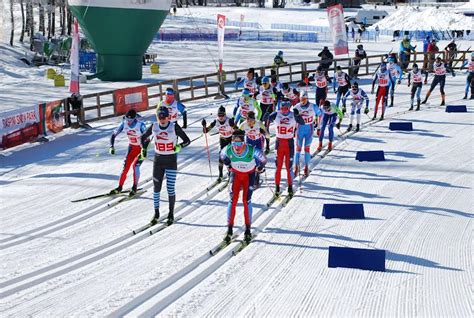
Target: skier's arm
(338,112)
(224,158)
(298,117)
(117,131)
(145,136)
(232,123)
(181,134)
(364,95)
(258,109)
(317,110)
(260,158)
(374,81)
(263,130)
(344,98)
(239,82)
(211,125)
(182,110)
(272,116)
(399,70)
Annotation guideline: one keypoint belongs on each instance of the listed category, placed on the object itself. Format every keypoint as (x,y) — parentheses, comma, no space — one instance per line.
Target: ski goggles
(237,143)
(162,116)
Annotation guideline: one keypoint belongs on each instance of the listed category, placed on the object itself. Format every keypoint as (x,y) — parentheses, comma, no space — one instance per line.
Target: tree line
(41,16)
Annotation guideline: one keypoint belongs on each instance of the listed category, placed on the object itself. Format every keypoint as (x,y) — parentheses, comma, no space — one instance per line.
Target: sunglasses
(237,143)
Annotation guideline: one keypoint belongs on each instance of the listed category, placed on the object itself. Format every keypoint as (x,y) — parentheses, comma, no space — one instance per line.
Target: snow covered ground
(61,258)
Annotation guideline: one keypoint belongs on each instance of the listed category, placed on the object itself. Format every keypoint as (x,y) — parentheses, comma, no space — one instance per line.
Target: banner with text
(17,119)
(338,29)
(130,98)
(54,116)
(220,38)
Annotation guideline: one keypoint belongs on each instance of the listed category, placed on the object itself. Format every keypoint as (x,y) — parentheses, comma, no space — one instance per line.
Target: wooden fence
(99,106)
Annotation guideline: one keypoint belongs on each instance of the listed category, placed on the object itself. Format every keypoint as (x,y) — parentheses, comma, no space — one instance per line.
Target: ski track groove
(286,260)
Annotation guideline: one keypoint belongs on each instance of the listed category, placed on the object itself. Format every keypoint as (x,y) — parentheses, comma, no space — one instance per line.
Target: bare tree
(53,17)
(41,27)
(13,23)
(22,21)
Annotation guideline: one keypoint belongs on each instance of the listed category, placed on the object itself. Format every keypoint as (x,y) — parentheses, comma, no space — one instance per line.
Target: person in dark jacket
(360,54)
(326,60)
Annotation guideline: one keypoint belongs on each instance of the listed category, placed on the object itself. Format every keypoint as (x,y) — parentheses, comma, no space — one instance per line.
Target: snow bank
(410,18)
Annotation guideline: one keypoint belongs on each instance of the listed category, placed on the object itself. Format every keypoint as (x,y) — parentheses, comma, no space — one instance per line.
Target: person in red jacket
(432,50)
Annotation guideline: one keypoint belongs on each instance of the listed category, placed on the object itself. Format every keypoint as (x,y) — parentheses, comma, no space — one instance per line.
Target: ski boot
(220,178)
(306,171)
(133,191)
(247,235)
(375,117)
(156,217)
(411,107)
(442,103)
(228,236)
(117,190)
(267,150)
(320,146)
(465,97)
(418,105)
(357,128)
(381,117)
(277,190)
(391,101)
(318,132)
(170,219)
(349,128)
(290,191)
(172,201)
(330,146)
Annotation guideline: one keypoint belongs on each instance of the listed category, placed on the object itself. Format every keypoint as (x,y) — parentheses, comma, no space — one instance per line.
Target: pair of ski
(242,244)
(284,199)
(224,183)
(161,226)
(104,195)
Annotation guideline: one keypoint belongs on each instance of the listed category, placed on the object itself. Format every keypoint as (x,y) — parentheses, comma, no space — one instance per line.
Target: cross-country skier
(225,126)
(304,133)
(358,96)
(341,82)
(278,60)
(292,94)
(469,77)
(286,122)
(321,81)
(174,108)
(330,114)
(165,134)
(268,100)
(384,79)
(255,134)
(397,75)
(360,54)
(243,161)
(439,68)
(249,82)
(417,75)
(246,103)
(134,128)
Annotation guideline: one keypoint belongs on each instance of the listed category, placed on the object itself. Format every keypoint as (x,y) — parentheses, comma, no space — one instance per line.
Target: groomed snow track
(82,259)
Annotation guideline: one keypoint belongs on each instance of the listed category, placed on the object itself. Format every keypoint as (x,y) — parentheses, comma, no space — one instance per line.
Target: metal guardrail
(100,105)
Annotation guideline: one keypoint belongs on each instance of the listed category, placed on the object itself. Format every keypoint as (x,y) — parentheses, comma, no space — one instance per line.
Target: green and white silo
(120,32)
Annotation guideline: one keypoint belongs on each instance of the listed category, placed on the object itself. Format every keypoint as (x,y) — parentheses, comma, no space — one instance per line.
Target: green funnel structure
(120,32)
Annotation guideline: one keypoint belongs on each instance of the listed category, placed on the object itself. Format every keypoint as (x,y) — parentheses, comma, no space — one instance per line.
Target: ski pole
(267,184)
(208,154)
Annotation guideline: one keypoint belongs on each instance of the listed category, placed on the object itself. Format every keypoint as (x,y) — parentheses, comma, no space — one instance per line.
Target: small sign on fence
(130,98)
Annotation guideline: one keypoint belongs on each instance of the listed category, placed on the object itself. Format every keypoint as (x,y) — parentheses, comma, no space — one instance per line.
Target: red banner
(54,116)
(338,29)
(130,98)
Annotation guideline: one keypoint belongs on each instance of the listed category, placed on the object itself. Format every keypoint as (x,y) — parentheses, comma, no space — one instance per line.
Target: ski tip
(211,253)
(133,232)
(151,232)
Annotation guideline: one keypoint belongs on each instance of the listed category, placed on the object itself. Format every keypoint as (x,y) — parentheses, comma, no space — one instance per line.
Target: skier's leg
(289,160)
(158,174)
(170,186)
(299,143)
(234,196)
(412,95)
(223,143)
(359,107)
(127,164)
(332,122)
(468,84)
(353,107)
(279,162)
(136,171)
(247,197)
(441,89)
(338,96)
(385,98)
(323,127)
(472,85)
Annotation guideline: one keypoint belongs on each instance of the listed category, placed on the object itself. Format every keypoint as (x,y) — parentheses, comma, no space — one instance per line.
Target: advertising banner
(338,29)
(131,97)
